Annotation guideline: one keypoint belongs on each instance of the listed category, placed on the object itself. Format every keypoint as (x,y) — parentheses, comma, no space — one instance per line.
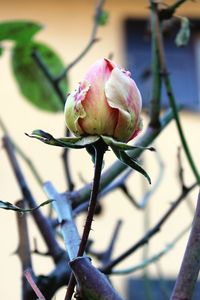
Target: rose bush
(106,102)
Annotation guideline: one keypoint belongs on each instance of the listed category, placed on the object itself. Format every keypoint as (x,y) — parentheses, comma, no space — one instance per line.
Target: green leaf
(32,82)
(129,161)
(1,50)
(18,31)
(10,206)
(103,18)
(183,36)
(122,146)
(67,142)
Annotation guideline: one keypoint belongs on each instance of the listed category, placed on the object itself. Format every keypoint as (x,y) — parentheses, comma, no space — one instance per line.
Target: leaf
(122,146)
(183,36)
(10,206)
(32,82)
(1,50)
(67,142)
(103,18)
(129,161)
(18,31)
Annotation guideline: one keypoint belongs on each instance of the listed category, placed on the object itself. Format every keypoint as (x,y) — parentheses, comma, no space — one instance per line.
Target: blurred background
(125,37)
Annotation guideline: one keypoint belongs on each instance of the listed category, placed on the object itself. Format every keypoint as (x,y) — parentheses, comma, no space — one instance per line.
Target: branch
(38,59)
(92,40)
(24,246)
(65,158)
(32,283)
(42,223)
(23,155)
(167,13)
(105,256)
(154,258)
(190,266)
(107,268)
(69,230)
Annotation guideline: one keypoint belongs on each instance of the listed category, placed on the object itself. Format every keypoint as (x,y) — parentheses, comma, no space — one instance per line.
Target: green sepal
(10,206)
(67,142)
(122,146)
(131,162)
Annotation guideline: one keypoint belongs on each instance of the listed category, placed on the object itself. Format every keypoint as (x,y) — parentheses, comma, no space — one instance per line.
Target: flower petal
(123,94)
(74,109)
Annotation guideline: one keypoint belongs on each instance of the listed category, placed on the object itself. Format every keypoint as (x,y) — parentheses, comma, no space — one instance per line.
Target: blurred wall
(67,28)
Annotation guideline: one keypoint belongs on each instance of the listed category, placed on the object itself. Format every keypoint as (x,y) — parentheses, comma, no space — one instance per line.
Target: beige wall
(67,29)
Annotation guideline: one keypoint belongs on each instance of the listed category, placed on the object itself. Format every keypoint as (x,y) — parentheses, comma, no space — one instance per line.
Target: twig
(38,59)
(154,258)
(100,149)
(180,169)
(108,268)
(42,223)
(168,12)
(24,246)
(33,285)
(68,175)
(91,42)
(55,84)
(190,266)
(23,155)
(105,256)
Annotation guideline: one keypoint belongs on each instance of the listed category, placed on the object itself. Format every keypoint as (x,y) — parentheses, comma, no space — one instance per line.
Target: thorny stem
(100,149)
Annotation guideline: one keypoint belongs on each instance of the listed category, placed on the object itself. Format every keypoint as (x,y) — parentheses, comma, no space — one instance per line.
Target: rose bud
(107,102)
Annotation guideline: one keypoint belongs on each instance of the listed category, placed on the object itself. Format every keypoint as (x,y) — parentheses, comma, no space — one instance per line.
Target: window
(183,63)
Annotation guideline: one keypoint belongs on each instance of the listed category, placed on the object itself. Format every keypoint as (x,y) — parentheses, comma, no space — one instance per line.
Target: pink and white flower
(107,102)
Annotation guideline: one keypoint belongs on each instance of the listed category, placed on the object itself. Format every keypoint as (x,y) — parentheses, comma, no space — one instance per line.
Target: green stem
(155,69)
(179,127)
(100,149)
(173,105)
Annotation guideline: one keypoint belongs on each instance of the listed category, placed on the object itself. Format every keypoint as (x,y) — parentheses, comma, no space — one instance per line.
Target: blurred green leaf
(129,161)
(18,31)
(1,50)
(183,36)
(32,82)
(10,206)
(68,142)
(103,18)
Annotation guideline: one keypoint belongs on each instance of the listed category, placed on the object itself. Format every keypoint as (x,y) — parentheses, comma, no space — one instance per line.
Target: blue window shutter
(180,61)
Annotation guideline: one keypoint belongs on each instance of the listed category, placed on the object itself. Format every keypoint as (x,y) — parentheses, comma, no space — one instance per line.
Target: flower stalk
(99,147)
